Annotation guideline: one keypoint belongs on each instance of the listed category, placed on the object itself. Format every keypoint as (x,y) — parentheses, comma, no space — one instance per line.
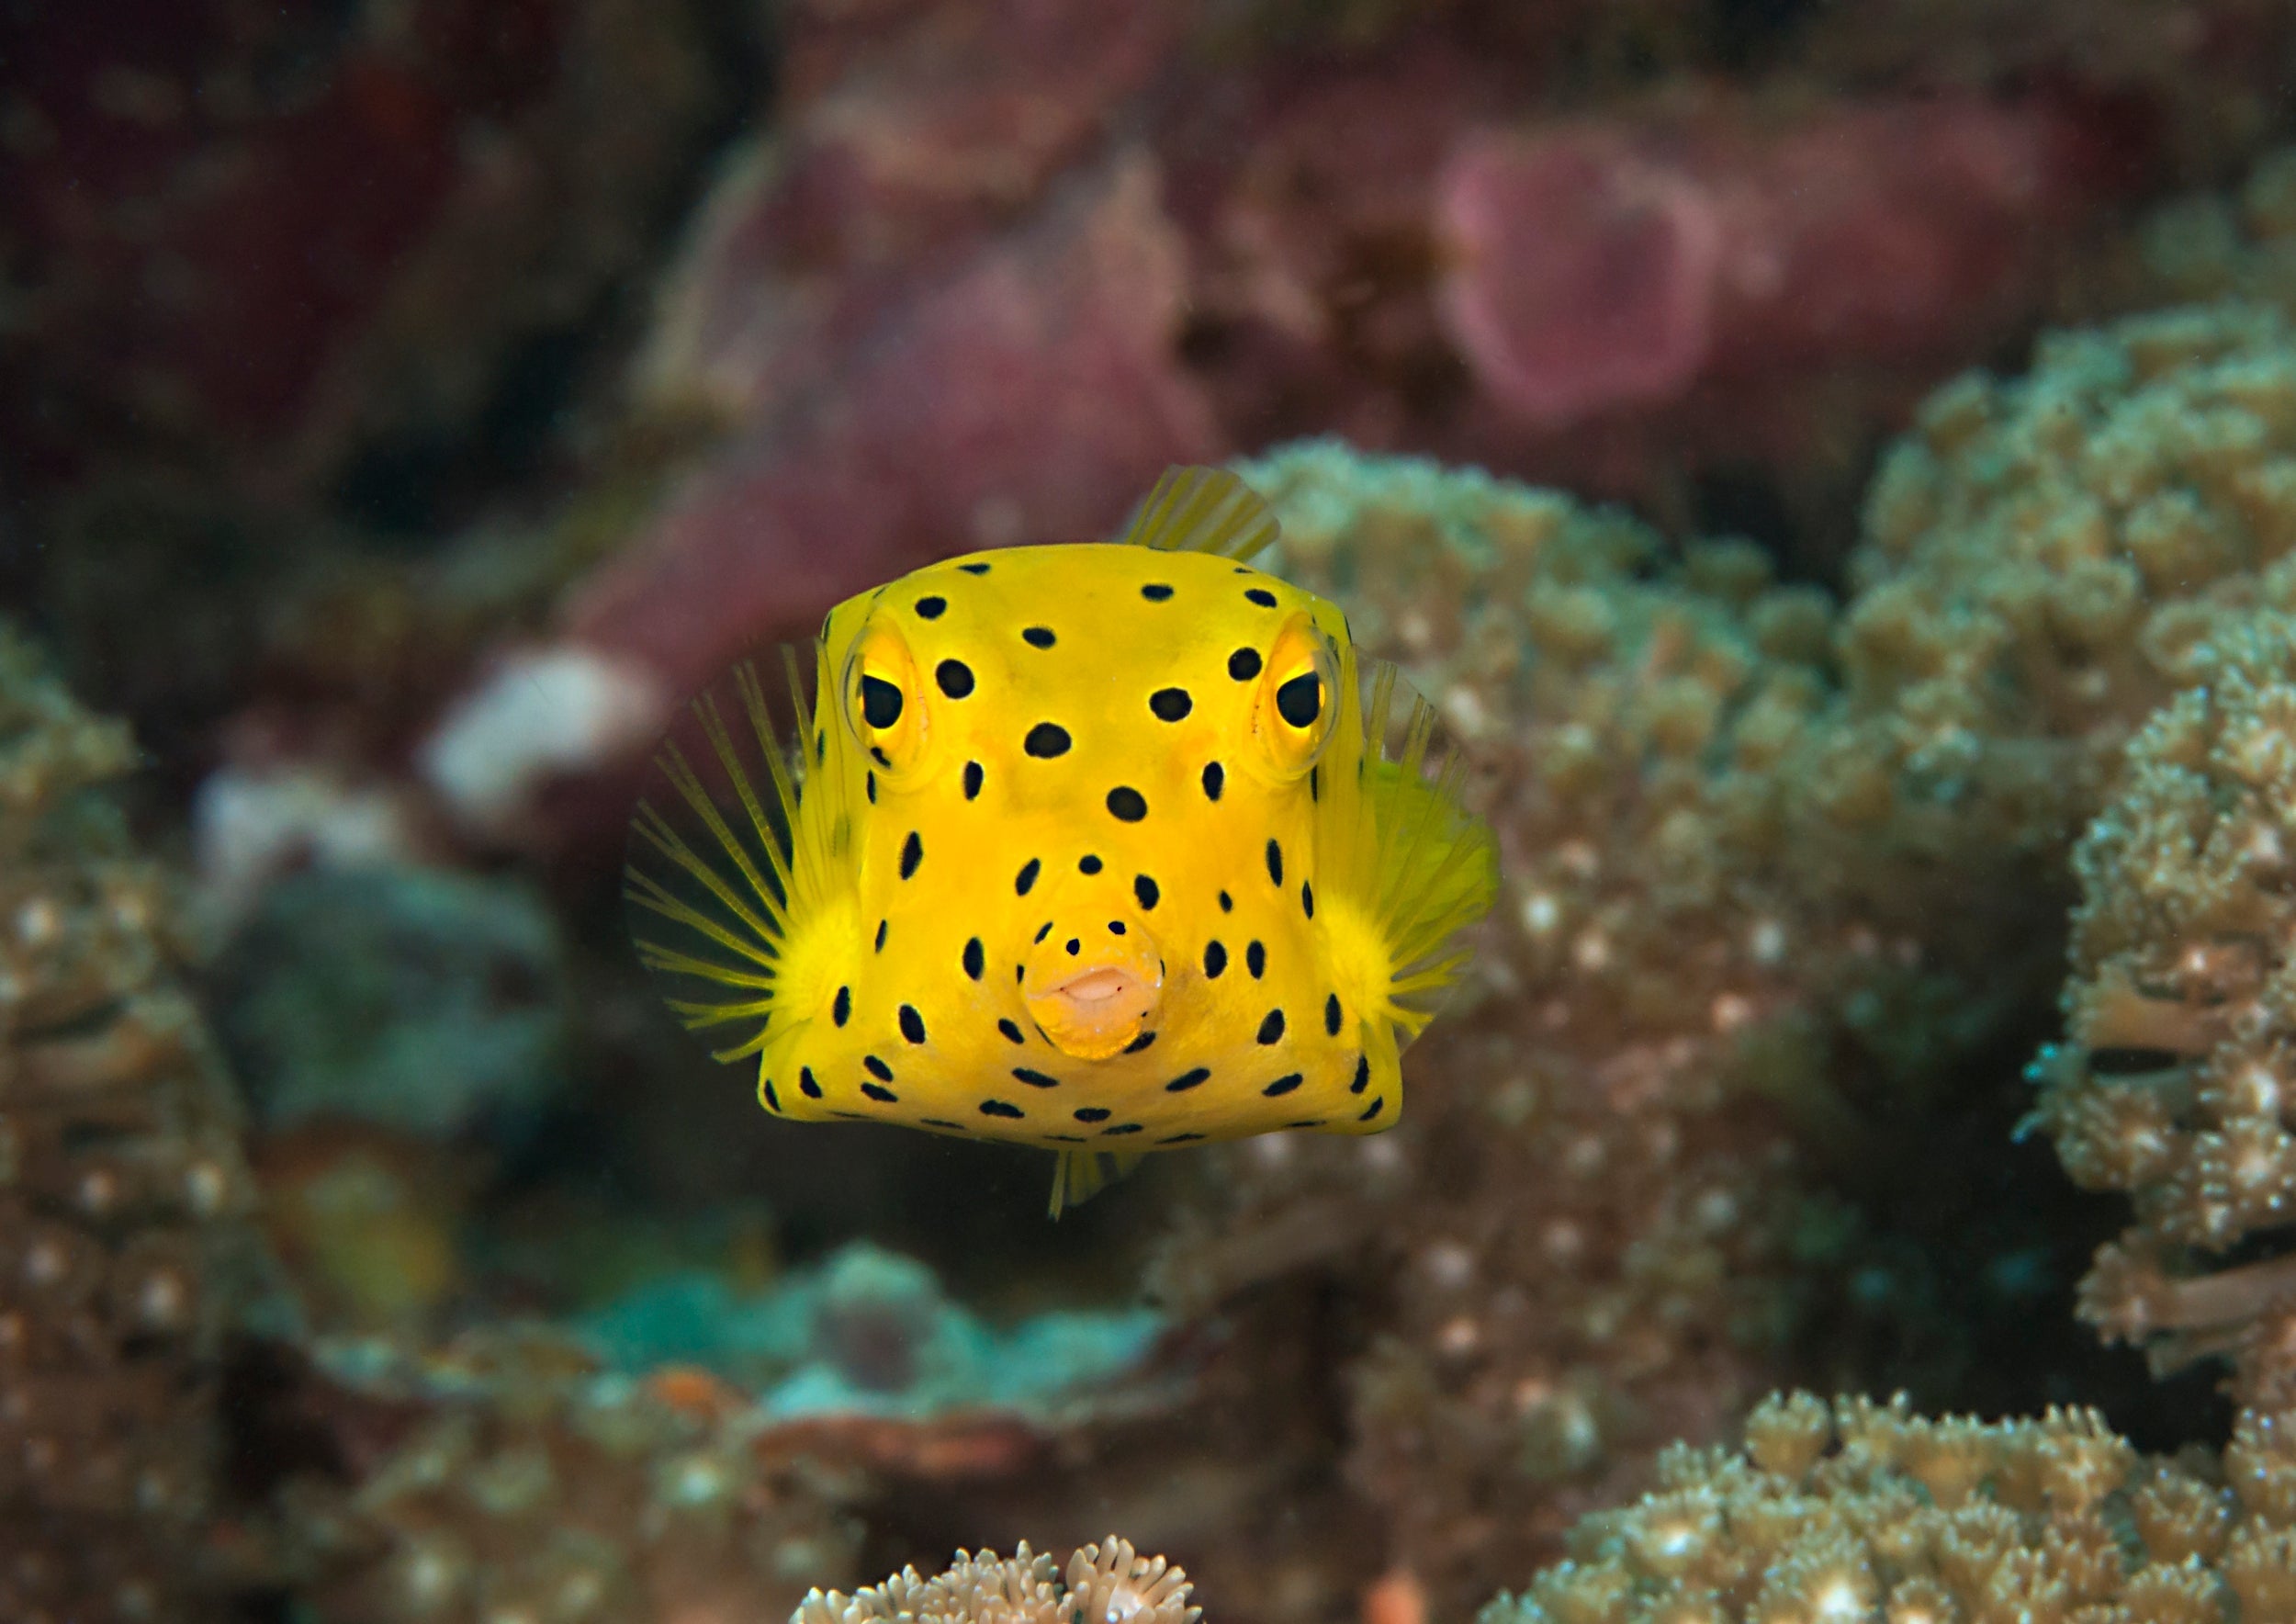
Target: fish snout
(1094,984)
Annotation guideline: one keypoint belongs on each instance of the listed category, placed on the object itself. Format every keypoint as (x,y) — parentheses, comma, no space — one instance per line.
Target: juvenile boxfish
(1105,847)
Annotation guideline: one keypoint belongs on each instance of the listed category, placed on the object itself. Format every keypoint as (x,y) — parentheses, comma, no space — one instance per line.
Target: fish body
(1092,847)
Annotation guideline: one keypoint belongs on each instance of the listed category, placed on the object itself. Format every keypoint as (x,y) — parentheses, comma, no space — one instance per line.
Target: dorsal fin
(1201,510)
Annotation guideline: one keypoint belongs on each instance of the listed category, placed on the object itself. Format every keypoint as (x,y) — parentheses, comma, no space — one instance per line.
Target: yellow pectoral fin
(1079,1175)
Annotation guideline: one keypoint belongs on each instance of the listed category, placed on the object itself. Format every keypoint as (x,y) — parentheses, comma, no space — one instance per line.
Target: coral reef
(2176,1084)
(504,1477)
(1107,1580)
(870,1332)
(420,999)
(125,1254)
(1598,266)
(1578,1237)
(2043,555)
(1860,1510)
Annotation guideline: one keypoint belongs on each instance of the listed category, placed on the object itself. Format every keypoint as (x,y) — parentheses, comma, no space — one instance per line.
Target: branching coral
(125,1253)
(1108,1583)
(1861,1511)
(2178,1083)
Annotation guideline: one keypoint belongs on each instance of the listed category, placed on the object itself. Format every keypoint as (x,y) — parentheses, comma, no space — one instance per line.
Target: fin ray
(1079,1175)
(1202,510)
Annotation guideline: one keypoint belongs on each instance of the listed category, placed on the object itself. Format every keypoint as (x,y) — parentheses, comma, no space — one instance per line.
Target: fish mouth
(1093,993)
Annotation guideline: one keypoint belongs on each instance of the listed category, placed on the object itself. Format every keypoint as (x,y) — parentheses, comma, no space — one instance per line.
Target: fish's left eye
(1298,681)
(1301,700)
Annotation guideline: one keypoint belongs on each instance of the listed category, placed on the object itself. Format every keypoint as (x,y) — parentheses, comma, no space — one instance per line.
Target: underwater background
(1831,467)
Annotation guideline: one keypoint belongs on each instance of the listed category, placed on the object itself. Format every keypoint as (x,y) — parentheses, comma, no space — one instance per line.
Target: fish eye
(881,701)
(1298,678)
(884,708)
(1298,702)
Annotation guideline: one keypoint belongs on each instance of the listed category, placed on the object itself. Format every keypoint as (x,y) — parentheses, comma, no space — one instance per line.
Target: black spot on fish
(1306,1122)
(1043,932)
(939,1122)
(1307,898)
(1092,1113)
(973,569)
(1026,877)
(1331,1016)
(1087,865)
(1145,889)
(1255,960)
(1215,959)
(881,934)
(974,960)
(876,1068)
(912,1024)
(912,853)
(931,608)
(1179,1139)
(1244,664)
(1363,1074)
(1155,591)
(1045,741)
(1227,903)
(1116,927)
(1276,862)
(1139,1042)
(1282,1085)
(872,780)
(955,678)
(772,1101)
(805,1084)
(1124,1128)
(1374,1109)
(1074,946)
(998,1108)
(1170,703)
(1035,1079)
(1038,637)
(842,1009)
(880,757)
(1315,783)
(1009,1029)
(1065,1138)
(1261,595)
(1128,804)
(1213,779)
(971,780)
(886,1095)
(1301,700)
(881,701)
(1271,1026)
(1187,1080)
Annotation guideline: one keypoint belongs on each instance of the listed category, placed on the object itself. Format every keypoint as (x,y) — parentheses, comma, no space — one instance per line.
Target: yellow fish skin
(1096,848)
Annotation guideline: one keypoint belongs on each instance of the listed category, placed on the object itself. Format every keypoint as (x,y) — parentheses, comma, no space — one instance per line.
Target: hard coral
(2178,1083)
(1572,1248)
(1859,1511)
(125,1256)
(504,1477)
(1106,1583)
(2041,558)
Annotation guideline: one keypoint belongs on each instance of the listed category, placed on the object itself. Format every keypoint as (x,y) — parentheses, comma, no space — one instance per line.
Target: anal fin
(1079,1175)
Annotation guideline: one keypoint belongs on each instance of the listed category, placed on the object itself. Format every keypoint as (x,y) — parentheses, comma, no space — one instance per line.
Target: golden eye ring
(884,703)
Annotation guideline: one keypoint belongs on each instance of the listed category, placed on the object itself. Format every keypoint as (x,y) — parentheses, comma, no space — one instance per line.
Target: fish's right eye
(881,701)
(884,702)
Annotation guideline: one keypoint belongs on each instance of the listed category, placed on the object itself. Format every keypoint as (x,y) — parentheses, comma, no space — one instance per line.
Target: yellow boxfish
(1100,847)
